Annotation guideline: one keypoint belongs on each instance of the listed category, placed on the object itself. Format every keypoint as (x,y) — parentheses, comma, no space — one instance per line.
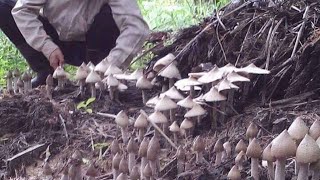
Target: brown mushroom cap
(266,154)
(186,124)
(20,83)
(158,117)
(174,127)
(191,81)
(135,173)
(132,146)
(122,119)
(241,146)
(314,130)
(153,149)
(116,161)
(165,103)
(143,147)
(123,166)
(227,146)
(198,144)
(252,130)
(171,71)
(308,151)
(147,172)
(196,110)
(218,147)
(141,121)
(143,83)
(26,77)
(234,173)
(214,96)
(114,147)
(283,146)
(186,102)
(173,93)
(240,157)
(298,129)
(254,149)
(59,73)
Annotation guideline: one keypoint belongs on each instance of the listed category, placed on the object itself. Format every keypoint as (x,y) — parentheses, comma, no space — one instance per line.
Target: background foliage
(161,15)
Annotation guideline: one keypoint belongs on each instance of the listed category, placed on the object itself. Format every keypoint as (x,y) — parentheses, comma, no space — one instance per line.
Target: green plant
(85,105)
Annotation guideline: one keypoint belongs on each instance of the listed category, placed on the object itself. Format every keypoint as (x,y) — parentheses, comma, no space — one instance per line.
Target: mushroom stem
(82,83)
(280,169)
(255,168)
(270,170)
(142,131)
(9,85)
(15,86)
(26,86)
(60,82)
(112,92)
(171,82)
(124,133)
(144,162)
(49,91)
(230,99)
(93,90)
(199,157)
(303,171)
(20,90)
(172,115)
(296,167)
(192,92)
(175,138)
(131,161)
(153,166)
(214,117)
(144,97)
(218,159)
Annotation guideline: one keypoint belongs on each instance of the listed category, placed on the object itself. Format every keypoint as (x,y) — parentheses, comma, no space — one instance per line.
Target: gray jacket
(72,19)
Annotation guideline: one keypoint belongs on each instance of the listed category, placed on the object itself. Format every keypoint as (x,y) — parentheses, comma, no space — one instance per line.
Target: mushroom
(186,125)
(113,83)
(267,156)
(213,75)
(198,147)
(135,173)
(173,94)
(314,130)
(61,75)
(143,83)
(122,176)
(158,118)
(188,82)
(174,128)
(153,155)
(102,67)
(227,150)
(195,111)
(49,86)
(252,131)
(165,104)
(81,76)
(186,102)
(47,171)
(132,149)
(141,124)
(234,173)
(147,172)
(20,85)
(112,69)
(282,147)
(114,147)
(171,72)
(90,66)
(115,165)
(218,149)
(315,167)
(26,78)
(241,146)
(253,69)
(164,61)
(254,151)
(308,152)
(123,166)
(122,121)
(91,79)
(143,155)
(9,82)
(181,158)
(16,75)
(91,172)
(241,156)
(153,101)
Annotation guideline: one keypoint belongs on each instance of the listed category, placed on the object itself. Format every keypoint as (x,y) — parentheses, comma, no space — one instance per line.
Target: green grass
(161,15)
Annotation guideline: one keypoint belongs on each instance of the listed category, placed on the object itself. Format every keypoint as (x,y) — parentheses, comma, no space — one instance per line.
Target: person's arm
(133,31)
(25,14)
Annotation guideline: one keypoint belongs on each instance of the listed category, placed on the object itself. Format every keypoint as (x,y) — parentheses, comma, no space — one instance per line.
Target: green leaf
(89,111)
(90,100)
(82,104)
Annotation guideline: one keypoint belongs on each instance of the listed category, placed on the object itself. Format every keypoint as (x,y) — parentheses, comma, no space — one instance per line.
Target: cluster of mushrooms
(18,83)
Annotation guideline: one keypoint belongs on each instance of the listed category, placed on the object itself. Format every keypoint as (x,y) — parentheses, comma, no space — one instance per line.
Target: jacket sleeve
(133,31)
(25,14)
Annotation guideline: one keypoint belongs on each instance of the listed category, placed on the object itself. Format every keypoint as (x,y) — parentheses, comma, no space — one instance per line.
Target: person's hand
(56,58)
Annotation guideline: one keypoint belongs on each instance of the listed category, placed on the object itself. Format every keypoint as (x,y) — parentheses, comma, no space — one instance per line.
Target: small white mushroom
(91,79)
(16,75)
(61,75)
(254,151)
(122,121)
(141,124)
(144,84)
(218,149)
(174,128)
(143,155)
(132,149)
(81,76)
(234,173)
(198,147)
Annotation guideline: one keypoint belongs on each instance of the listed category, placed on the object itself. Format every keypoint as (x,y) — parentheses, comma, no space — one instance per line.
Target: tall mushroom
(102,67)
(170,72)
(143,155)
(164,61)
(81,76)
(254,151)
(9,82)
(115,165)
(186,125)
(198,146)
(92,172)
(267,156)
(252,131)
(308,152)
(26,78)
(112,83)
(16,75)
(227,150)
(234,173)
(174,128)
(175,95)
(241,156)
(153,155)
(158,118)
(61,75)
(49,86)
(135,173)
(147,172)
(143,83)
(91,79)
(20,86)
(132,149)
(190,82)
(114,147)
(241,146)
(196,111)
(141,124)
(218,149)
(122,176)
(123,166)
(282,148)
(122,121)
(165,104)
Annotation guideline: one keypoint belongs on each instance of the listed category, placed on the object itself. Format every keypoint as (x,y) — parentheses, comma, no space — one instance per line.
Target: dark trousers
(100,39)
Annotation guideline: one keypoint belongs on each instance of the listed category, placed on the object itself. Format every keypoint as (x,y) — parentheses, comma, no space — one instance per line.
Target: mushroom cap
(266,154)
(122,119)
(214,96)
(165,103)
(188,88)
(252,131)
(121,87)
(81,73)
(253,69)
(213,75)
(59,73)
(141,121)
(25,77)
(112,81)
(218,146)
(174,127)
(122,176)
(132,146)
(186,102)
(153,101)
(196,110)
(47,171)
(116,161)
(147,172)
(91,171)
(158,118)
(308,150)
(191,81)
(90,66)
(173,93)
(102,66)
(234,173)
(16,72)
(123,166)
(241,146)
(143,147)
(227,147)
(20,83)
(153,149)
(240,157)
(314,130)
(112,69)
(186,124)
(49,80)
(93,77)
(298,129)
(171,71)
(135,173)
(283,146)
(164,61)
(235,77)
(198,144)
(197,74)
(254,149)
(226,85)
(143,83)
(114,147)
(181,153)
